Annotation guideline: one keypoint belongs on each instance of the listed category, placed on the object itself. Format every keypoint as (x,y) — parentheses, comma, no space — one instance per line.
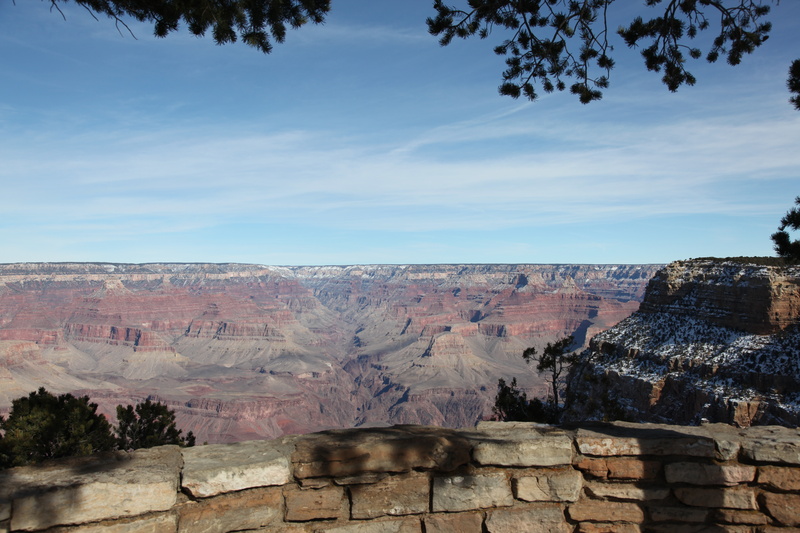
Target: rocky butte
(249,351)
(713,340)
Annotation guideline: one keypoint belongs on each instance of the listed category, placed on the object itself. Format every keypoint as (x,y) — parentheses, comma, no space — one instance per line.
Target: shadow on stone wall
(496,477)
(86,488)
(343,453)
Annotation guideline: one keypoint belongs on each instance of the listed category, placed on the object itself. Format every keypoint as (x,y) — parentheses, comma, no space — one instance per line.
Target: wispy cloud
(598,172)
(349,129)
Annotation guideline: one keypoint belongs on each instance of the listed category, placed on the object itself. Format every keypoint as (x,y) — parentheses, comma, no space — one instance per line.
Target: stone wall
(498,477)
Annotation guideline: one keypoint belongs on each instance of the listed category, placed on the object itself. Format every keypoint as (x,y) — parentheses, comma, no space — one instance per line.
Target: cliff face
(249,351)
(717,341)
(751,298)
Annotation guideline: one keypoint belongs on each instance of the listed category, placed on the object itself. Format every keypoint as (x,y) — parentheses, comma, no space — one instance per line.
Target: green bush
(43,426)
(513,405)
(148,424)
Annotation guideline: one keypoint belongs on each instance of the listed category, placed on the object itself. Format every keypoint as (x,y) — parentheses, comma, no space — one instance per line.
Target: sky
(362,141)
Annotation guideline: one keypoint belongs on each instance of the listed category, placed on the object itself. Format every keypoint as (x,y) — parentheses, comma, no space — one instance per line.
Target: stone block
(601,511)
(589,527)
(771,444)
(162,523)
(394,496)
(5,526)
(594,466)
(694,528)
(468,492)
(709,474)
(617,440)
(91,502)
(626,491)
(249,509)
(452,522)
(563,485)
(491,427)
(779,477)
(314,504)
(315,482)
(678,514)
(78,490)
(727,497)
(735,516)
(633,468)
(727,448)
(541,518)
(360,479)
(513,446)
(220,468)
(785,508)
(351,452)
(407,525)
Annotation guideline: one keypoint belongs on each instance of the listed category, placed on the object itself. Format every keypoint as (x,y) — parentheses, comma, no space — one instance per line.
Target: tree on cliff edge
(43,426)
(513,405)
(147,425)
(546,44)
(554,362)
(784,246)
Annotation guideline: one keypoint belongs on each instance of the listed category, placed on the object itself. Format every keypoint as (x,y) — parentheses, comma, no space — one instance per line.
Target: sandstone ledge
(496,477)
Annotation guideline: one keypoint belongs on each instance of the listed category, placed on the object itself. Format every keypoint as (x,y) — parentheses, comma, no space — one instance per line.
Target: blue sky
(364,141)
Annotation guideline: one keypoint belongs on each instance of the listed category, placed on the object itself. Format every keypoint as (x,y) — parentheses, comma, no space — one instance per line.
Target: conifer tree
(147,425)
(555,361)
(43,426)
(513,405)
(785,247)
(793,83)
(255,22)
(547,44)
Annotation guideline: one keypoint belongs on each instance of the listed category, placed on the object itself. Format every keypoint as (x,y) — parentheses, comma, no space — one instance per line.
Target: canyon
(244,352)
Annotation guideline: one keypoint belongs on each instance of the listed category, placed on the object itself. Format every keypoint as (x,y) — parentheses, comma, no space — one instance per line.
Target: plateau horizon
(362,141)
(342,265)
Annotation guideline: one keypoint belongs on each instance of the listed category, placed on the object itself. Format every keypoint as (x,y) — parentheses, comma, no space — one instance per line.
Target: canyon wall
(496,478)
(745,296)
(245,352)
(713,340)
